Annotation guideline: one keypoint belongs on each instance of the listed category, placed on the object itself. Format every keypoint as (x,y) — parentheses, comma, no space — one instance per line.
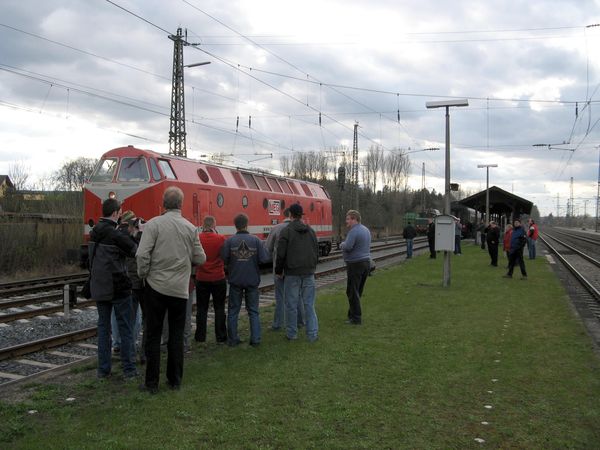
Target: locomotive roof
(130,150)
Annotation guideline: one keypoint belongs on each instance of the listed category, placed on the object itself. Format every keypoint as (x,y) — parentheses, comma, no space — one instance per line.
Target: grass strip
(418,373)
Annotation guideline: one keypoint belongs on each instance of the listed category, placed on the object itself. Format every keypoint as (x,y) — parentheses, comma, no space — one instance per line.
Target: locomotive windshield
(134,169)
(105,170)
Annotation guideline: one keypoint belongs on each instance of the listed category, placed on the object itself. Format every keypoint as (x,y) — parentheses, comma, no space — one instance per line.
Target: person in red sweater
(506,240)
(210,280)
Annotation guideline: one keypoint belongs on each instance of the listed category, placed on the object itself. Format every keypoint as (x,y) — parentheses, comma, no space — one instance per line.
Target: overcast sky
(78,78)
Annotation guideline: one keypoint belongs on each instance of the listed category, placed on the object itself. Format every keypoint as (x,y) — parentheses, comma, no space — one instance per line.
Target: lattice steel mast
(177,132)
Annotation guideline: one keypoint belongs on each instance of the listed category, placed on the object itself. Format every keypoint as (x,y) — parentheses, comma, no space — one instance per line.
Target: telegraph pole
(177,132)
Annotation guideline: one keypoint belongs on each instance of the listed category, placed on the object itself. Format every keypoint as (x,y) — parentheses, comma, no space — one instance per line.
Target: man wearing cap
(271,246)
(297,255)
(357,255)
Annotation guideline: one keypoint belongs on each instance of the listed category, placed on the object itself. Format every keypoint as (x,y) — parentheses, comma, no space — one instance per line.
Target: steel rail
(578,252)
(578,236)
(36,287)
(46,343)
(584,282)
(42,311)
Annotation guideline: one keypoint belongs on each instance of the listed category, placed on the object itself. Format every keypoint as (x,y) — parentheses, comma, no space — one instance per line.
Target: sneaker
(506,276)
(173,387)
(275,328)
(294,338)
(313,339)
(254,344)
(116,350)
(524,277)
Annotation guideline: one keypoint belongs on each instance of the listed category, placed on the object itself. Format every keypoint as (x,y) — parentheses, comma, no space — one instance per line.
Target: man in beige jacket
(167,251)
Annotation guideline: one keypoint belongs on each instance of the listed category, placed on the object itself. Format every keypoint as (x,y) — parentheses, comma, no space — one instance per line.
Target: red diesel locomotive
(138,179)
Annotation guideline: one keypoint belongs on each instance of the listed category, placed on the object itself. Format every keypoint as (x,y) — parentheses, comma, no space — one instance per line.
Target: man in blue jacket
(515,254)
(242,254)
(357,255)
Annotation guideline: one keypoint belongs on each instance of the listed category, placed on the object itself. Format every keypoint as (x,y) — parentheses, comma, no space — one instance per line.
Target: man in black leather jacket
(111,287)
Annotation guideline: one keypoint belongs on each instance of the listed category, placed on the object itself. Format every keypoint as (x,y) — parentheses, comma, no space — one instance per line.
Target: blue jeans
(279,316)
(135,320)
(250,295)
(409,248)
(300,290)
(531,247)
(122,308)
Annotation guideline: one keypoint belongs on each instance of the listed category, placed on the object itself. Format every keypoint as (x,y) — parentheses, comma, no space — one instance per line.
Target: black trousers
(157,305)
(357,274)
(431,242)
(218,290)
(513,259)
(493,251)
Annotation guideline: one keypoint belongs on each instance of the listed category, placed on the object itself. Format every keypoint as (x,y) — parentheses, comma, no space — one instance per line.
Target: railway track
(43,358)
(586,276)
(26,287)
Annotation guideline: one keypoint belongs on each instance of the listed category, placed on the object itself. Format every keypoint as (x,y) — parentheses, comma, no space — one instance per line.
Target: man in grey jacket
(168,249)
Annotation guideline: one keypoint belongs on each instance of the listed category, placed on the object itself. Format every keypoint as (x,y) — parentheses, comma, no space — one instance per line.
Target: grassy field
(504,361)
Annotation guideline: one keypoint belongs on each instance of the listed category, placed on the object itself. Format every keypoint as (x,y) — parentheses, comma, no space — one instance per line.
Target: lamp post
(487,189)
(447,104)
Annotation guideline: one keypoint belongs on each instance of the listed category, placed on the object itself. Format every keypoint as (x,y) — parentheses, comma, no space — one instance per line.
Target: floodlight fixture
(197,64)
(447,103)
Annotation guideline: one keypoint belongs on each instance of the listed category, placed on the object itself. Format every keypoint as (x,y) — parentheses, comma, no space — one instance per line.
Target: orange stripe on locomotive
(138,179)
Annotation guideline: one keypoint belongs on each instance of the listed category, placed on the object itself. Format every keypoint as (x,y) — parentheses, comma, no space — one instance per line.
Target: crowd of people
(514,240)
(149,273)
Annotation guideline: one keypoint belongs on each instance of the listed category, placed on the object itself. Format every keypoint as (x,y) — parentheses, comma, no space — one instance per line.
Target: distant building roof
(5,179)
(501,202)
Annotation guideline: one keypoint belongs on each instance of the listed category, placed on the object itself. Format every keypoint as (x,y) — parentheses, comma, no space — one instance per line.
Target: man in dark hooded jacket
(297,255)
(515,254)
(111,287)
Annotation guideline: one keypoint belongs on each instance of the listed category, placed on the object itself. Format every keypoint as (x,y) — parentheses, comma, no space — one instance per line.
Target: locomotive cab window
(166,169)
(155,172)
(133,169)
(105,170)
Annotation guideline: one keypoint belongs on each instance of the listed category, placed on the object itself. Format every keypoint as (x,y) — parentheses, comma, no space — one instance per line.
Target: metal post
(598,193)
(446,281)
(447,104)
(66,302)
(487,194)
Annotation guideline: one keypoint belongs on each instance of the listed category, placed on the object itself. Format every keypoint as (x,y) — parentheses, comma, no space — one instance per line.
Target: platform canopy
(501,203)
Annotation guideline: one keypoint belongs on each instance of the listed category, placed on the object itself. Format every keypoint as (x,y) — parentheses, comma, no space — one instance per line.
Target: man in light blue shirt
(357,255)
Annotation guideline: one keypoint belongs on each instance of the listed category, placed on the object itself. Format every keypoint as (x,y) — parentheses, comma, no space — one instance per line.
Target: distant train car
(138,179)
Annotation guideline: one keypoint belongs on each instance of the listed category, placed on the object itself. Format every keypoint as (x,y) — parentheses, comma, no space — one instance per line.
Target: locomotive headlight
(111,194)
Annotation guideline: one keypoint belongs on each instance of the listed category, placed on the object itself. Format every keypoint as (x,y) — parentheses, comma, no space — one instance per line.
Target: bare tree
(300,165)
(374,162)
(18,172)
(396,168)
(74,174)
(285,165)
